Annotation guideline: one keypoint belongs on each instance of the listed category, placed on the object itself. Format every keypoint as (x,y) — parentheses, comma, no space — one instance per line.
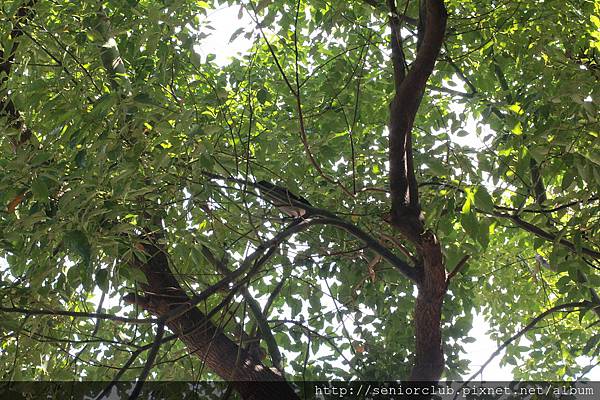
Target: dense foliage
(119,136)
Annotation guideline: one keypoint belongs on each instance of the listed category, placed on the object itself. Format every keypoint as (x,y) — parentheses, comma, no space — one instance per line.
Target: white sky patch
(479,351)
(225,22)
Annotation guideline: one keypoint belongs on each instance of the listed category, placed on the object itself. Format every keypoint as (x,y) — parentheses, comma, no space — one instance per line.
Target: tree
(137,223)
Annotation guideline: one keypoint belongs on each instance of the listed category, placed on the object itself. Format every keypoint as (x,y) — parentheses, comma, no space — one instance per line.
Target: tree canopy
(443,157)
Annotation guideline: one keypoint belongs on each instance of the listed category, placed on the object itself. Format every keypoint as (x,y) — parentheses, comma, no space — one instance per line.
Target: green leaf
(262,95)
(102,279)
(145,98)
(77,241)
(469,200)
(133,274)
(483,200)
(236,34)
(40,190)
(470,224)
(437,167)
(40,158)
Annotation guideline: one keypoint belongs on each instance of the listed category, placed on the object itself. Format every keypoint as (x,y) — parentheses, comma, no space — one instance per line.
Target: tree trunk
(252,379)
(429,362)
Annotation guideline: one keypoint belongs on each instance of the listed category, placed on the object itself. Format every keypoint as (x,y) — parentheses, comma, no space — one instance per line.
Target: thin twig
(526,329)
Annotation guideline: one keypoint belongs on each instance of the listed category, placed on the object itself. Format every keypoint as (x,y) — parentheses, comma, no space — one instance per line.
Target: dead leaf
(15,202)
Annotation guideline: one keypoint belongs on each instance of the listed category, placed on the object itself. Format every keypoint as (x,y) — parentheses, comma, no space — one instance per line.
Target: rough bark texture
(251,378)
(429,362)
(405,208)
(404,106)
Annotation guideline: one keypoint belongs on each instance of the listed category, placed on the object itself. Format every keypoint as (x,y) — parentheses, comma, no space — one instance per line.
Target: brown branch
(459,72)
(546,235)
(409,89)
(74,57)
(458,268)
(304,139)
(276,291)
(405,208)
(94,331)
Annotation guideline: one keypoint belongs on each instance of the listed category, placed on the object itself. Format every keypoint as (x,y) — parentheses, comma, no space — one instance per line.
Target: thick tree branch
(259,317)
(316,215)
(405,208)
(403,109)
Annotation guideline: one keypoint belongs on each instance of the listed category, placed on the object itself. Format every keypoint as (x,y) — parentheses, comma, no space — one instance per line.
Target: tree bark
(429,361)
(252,379)
(405,207)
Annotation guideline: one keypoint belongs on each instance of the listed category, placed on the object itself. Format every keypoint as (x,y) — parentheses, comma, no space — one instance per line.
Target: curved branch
(325,217)
(546,235)
(526,329)
(403,267)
